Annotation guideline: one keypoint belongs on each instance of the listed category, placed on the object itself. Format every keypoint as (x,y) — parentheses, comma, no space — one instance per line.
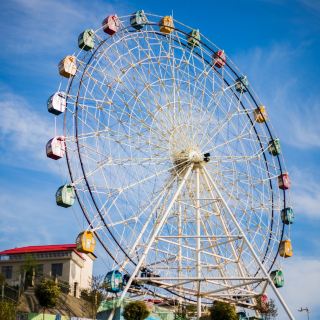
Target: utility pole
(305,309)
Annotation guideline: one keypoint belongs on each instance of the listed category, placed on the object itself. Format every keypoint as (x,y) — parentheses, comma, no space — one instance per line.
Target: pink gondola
(219,59)
(284,181)
(111,24)
(55,147)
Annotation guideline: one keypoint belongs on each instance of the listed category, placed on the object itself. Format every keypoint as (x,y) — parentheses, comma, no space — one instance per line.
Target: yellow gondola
(166,24)
(86,242)
(260,114)
(286,249)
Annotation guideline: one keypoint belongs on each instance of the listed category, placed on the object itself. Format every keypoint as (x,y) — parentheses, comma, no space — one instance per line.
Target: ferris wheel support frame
(284,305)
(198,244)
(154,235)
(199,278)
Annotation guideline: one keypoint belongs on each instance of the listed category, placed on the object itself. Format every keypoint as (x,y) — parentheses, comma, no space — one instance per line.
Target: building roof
(45,248)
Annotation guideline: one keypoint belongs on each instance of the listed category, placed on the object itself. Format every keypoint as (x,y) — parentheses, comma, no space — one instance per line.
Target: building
(26,265)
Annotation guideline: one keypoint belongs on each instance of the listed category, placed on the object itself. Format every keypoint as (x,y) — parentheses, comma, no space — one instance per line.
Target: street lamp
(305,309)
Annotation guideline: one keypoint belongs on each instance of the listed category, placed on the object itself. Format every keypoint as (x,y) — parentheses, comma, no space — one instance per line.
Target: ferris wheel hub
(186,157)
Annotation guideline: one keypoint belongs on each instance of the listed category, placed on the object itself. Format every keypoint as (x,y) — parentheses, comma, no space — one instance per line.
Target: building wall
(75,269)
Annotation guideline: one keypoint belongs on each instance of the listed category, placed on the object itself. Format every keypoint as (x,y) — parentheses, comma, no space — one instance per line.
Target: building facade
(26,265)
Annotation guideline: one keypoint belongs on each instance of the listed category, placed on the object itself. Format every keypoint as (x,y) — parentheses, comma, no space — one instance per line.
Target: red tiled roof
(46,248)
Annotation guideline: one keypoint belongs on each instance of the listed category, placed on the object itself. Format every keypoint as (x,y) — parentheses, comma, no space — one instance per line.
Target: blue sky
(275,42)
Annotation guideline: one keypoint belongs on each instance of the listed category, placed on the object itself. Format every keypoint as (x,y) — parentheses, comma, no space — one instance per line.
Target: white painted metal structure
(144,110)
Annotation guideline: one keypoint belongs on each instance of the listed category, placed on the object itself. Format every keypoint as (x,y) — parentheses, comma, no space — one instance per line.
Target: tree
(8,310)
(269,310)
(28,269)
(47,293)
(95,294)
(223,311)
(136,310)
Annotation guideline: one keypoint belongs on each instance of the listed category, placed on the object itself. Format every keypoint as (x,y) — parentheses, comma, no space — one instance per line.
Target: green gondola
(193,38)
(242,84)
(274,147)
(86,40)
(138,20)
(65,196)
(287,215)
(277,278)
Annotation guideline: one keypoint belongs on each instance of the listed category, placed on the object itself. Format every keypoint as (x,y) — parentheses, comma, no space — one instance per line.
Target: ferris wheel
(173,162)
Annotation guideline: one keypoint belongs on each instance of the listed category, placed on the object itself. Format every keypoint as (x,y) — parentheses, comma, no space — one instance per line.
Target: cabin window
(39,270)
(7,271)
(56,269)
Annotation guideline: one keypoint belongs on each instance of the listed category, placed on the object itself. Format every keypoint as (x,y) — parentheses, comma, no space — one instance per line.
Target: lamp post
(305,309)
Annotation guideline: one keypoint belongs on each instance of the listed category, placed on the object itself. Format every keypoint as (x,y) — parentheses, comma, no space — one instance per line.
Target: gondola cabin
(260,114)
(274,147)
(166,24)
(241,84)
(284,181)
(57,103)
(287,215)
(86,40)
(286,249)
(111,24)
(134,283)
(242,315)
(193,38)
(68,66)
(219,59)
(65,196)
(86,242)
(277,278)
(55,147)
(113,281)
(138,20)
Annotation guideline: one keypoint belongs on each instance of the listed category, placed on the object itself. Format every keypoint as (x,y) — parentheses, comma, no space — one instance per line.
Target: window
(56,269)
(39,270)
(7,271)
(75,289)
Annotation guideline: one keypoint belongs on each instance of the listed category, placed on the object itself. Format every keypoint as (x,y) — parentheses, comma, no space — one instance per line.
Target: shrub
(136,310)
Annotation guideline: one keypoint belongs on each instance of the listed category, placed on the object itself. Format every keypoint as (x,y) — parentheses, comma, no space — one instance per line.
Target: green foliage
(47,293)
(8,310)
(64,287)
(184,312)
(180,315)
(223,311)
(136,310)
(29,263)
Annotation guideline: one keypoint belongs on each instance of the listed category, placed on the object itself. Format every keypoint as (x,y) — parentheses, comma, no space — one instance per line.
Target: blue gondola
(113,281)
(287,215)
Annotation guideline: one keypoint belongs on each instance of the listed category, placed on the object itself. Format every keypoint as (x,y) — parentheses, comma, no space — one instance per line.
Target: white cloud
(24,133)
(37,25)
(305,192)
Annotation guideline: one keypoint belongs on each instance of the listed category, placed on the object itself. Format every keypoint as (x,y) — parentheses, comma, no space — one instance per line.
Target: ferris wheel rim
(236,96)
